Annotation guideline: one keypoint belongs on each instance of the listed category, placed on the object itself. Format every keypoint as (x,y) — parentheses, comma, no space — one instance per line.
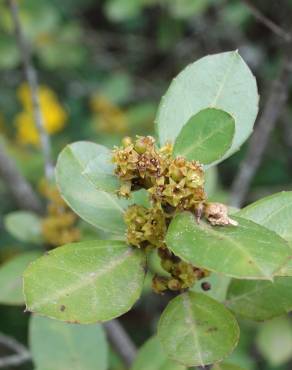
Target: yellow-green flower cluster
(183,275)
(173,182)
(182,186)
(108,117)
(59,225)
(146,227)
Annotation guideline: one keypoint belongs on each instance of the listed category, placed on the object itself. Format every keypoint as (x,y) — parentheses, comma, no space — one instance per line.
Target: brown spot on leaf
(206,286)
(62,308)
(212,329)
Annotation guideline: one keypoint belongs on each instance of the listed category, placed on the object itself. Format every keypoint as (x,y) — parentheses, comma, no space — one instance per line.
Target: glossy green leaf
(226,366)
(218,286)
(11,278)
(196,330)
(206,137)
(274,212)
(260,300)
(152,357)
(80,187)
(96,164)
(140,197)
(58,345)
(220,81)
(247,251)
(274,341)
(286,270)
(100,169)
(24,226)
(211,181)
(85,282)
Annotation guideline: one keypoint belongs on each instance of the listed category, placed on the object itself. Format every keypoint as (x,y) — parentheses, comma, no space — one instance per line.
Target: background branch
(31,77)
(260,138)
(279,31)
(21,353)
(120,341)
(19,188)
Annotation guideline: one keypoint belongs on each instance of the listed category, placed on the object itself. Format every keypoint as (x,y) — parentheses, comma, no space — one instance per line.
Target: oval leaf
(218,286)
(247,251)
(220,81)
(24,226)
(85,282)
(260,300)
(11,278)
(152,357)
(196,330)
(57,345)
(274,212)
(100,169)
(206,137)
(82,191)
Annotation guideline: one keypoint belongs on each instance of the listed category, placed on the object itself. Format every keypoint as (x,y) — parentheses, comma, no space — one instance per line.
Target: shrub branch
(32,80)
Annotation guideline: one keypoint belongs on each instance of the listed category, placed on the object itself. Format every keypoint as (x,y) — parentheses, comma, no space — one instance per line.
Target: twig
(20,189)
(279,31)
(31,77)
(259,140)
(21,353)
(120,340)
(287,130)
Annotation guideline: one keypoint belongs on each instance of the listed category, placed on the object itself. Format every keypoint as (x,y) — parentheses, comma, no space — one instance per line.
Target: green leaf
(86,191)
(274,341)
(140,197)
(211,181)
(24,226)
(206,137)
(226,366)
(85,282)
(196,330)
(246,251)
(152,357)
(11,278)
(220,81)
(100,170)
(273,212)
(218,286)
(260,300)
(57,345)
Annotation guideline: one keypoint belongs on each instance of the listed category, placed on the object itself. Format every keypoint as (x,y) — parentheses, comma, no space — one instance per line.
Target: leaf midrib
(224,79)
(89,279)
(204,228)
(199,143)
(190,320)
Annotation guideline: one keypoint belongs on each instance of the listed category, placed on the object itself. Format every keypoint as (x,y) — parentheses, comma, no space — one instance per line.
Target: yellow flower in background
(109,117)
(26,131)
(54,114)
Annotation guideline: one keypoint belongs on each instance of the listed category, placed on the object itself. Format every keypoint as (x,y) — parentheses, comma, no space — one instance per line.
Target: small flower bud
(127,141)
